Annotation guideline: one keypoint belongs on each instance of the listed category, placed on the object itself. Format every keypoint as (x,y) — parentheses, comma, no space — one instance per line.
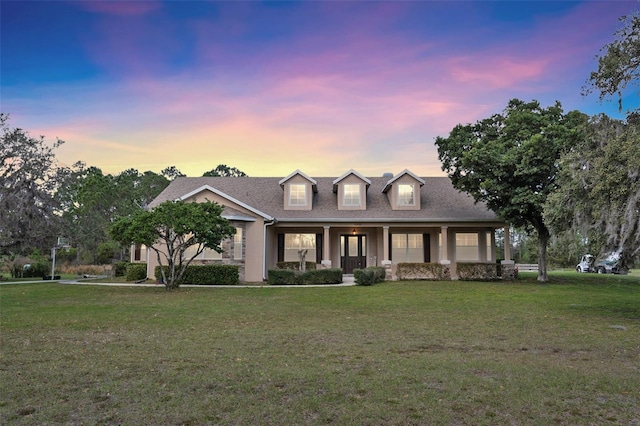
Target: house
(347,222)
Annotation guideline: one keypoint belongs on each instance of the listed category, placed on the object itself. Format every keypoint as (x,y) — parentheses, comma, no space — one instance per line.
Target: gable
(208,193)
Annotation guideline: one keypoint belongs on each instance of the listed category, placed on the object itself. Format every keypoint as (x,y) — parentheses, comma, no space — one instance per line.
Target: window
(407,248)
(237,244)
(467,247)
(297,194)
(140,253)
(209,254)
(406,196)
(351,195)
(295,242)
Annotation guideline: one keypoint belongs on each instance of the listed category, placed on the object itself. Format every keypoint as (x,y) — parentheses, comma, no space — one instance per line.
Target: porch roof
(440,201)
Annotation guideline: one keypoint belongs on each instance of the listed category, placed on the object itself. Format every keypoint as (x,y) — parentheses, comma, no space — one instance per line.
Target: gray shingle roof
(440,201)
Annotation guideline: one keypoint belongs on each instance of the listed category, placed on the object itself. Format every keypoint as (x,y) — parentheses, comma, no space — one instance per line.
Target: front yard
(397,353)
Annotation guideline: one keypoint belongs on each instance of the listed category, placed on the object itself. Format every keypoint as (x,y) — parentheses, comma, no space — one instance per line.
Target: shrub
(36,269)
(120,269)
(295,265)
(314,276)
(281,276)
(136,272)
(369,276)
(477,271)
(206,275)
(422,271)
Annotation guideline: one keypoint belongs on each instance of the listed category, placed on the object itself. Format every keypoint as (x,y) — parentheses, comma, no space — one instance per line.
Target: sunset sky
(271,87)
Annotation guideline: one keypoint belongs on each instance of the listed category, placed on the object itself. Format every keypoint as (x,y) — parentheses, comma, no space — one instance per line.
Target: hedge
(314,276)
(120,269)
(206,274)
(295,265)
(477,271)
(136,272)
(423,271)
(369,276)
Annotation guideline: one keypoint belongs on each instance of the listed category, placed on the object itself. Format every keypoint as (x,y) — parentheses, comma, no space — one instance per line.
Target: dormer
(403,191)
(298,191)
(351,189)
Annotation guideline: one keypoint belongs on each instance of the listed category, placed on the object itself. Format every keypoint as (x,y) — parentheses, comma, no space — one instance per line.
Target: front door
(353,252)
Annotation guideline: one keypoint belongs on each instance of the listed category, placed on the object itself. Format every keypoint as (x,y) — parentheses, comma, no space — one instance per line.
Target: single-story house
(347,222)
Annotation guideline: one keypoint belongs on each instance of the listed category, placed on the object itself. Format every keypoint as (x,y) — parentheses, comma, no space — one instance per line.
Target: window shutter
(318,248)
(280,247)
(426,245)
(390,247)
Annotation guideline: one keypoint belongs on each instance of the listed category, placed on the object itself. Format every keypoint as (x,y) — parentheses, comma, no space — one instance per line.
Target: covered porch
(350,246)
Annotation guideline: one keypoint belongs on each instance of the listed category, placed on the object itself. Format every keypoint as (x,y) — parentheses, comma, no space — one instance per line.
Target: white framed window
(237,244)
(297,194)
(488,241)
(351,195)
(295,242)
(467,247)
(406,195)
(407,248)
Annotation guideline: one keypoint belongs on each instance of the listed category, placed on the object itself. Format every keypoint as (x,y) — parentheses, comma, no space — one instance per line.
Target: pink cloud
(495,72)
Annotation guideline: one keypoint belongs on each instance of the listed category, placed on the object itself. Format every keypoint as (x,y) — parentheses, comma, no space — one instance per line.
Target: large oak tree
(599,196)
(29,179)
(510,162)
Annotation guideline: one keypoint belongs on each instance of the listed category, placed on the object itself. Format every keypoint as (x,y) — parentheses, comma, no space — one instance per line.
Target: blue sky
(271,87)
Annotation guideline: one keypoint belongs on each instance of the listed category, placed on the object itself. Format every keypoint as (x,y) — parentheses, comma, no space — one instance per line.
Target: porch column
(507,244)
(444,232)
(386,262)
(326,248)
(508,265)
(482,246)
(444,261)
(385,243)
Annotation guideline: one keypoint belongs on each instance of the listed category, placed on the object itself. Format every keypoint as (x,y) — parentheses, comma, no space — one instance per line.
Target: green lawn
(397,353)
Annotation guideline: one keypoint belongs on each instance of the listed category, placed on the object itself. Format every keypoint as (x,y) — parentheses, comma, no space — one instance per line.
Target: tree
(510,162)
(171,173)
(224,170)
(619,63)
(29,178)
(170,229)
(90,199)
(94,200)
(599,193)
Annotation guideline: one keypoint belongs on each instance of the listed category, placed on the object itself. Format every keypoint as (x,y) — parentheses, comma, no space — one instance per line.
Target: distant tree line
(41,200)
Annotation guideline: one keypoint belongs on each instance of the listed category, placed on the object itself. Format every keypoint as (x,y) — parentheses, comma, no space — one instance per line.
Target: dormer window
(351,191)
(298,194)
(406,195)
(404,190)
(298,191)
(351,195)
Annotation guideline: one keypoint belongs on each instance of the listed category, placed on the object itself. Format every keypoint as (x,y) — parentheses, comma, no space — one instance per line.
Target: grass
(397,353)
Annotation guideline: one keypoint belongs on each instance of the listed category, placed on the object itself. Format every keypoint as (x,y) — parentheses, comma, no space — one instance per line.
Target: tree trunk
(543,240)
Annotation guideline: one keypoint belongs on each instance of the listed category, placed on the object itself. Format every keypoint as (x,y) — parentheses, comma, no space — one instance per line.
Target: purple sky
(273,87)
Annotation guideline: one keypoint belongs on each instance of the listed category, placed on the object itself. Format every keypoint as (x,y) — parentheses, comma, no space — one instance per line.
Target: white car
(586,264)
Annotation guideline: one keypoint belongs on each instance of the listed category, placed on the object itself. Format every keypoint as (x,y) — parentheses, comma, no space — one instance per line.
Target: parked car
(586,264)
(608,266)
(611,266)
